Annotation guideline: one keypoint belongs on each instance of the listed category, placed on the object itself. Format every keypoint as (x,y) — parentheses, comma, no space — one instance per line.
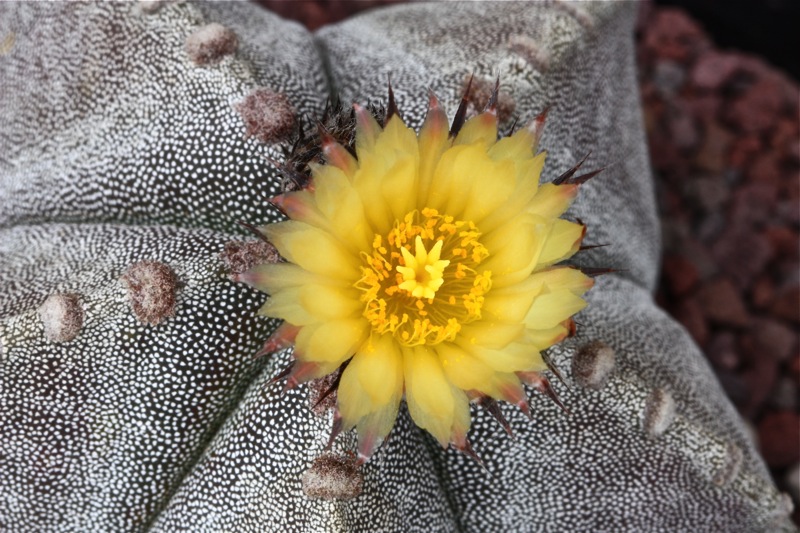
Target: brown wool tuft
(333,477)
(241,256)
(530,51)
(481,92)
(62,317)
(268,116)
(593,365)
(210,44)
(152,287)
(659,412)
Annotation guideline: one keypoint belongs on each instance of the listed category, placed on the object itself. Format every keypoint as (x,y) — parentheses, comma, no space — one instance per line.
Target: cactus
(135,139)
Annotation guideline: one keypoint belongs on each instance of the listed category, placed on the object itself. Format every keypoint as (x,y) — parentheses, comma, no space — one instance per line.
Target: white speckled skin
(115,148)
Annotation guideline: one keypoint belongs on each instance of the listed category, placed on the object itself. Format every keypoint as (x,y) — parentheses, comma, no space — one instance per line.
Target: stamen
(426,296)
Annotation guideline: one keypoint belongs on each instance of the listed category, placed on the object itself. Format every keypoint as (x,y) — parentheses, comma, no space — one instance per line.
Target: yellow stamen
(424,297)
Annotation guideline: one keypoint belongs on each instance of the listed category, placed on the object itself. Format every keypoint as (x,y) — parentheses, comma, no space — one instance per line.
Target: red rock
(779,435)
(754,203)
(708,193)
(723,352)
(762,292)
(785,242)
(765,168)
(713,69)
(744,148)
(759,107)
(713,153)
(741,253)
(721,303)
(784,139)
(760,379)
(689,313)
(664,154)
(681,274)
(683,130)
(794,367)
(673,35)
(787,304)
(705,107)
(773,338)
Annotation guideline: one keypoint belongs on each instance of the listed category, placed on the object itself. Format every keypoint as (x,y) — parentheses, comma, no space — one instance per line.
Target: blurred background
(719,88)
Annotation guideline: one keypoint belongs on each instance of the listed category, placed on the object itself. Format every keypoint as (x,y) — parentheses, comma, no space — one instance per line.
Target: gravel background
(724,139)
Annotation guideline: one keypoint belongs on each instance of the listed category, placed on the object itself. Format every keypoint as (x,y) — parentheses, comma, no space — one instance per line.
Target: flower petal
(562,241)
(514,250)
(433,141)
(312,249)
(324,302)
(493,334)
(517,146)
(552,200)
(462,369)
(527,173)
(429,395)
(561,277)
(515,357)
(271,277)
(367,130)
(481,128)
(551,308)
(545,338)
(339,202)
(330,343)
(372,380)
(284,304)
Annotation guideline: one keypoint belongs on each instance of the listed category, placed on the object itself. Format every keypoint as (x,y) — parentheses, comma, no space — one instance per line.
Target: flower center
(426,296)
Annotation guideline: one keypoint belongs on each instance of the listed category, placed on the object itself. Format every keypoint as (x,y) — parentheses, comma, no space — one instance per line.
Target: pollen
(423,282)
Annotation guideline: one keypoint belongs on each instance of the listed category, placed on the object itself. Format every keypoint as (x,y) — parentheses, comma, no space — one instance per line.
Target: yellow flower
(426,265)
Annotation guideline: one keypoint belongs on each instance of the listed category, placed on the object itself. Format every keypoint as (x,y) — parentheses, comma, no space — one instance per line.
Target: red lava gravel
(724,140)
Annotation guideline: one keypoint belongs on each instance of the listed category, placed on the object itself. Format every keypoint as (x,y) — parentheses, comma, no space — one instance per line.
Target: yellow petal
(527,174)
(300,206)
(283,303)
(493,334)
(447,178)
(517,146)
(337,155)
(330,342)
(561,277)
(545,338)
(461,368)
(433,140)
(367,131)
(509,304)
(481,128)
(552,200)
(562,242)
(399,186)
(491,186)
(313,249)
(372,380)
(514,250)
(551,308)
(515,357)
(341,206)
(271,277)
(428,393)
(330,303)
